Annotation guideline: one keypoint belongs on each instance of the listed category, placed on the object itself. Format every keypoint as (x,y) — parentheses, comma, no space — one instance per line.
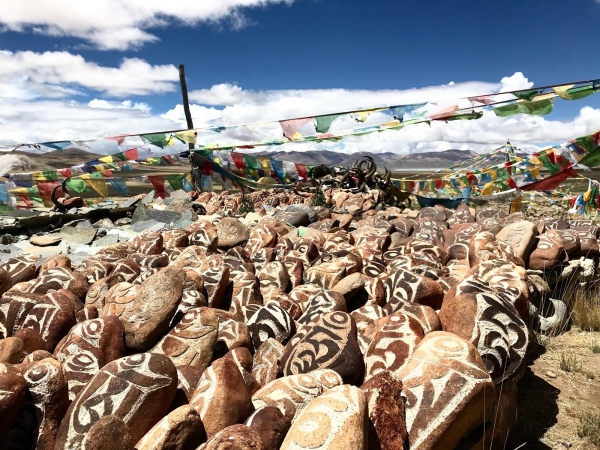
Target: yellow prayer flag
(516,204)
(187,136)
(561,91)
(487,189)
(98,185)
(361,116)
(296,136)
(99,167)
(535,172)
(548,96)
(107,159)
(587,196)
(38,176)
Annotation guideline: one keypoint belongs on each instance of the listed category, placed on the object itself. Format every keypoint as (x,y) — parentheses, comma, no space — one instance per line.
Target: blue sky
(284,49)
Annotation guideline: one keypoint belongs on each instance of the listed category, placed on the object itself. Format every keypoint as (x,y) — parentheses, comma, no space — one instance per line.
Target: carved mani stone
(448,391)
(265,364)
(395,340)
(88,347)
(181,429)
(221,397)
(330,344)
(270,321)
(138,389)
(192,341)
(48,387)
(490,322)
(293,393)
(337,419)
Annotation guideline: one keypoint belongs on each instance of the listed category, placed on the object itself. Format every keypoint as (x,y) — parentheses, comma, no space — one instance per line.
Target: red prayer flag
(552,182)
(238,159)
(119,139)
(131,154)
(158,181)
(302,171)
(45,188)
(207,169)
(26,200)
(439,184)
(65,172)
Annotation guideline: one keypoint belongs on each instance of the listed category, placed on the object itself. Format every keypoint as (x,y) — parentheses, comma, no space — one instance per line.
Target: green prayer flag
(252,162)
(76,184)
(159,139)
(586,143)
(50,175)
(580,92)
(527,95)
(96,175)
(34,193)
(592,159)
(119,156)
(176,181)
(503,174)
(324,122)
(468,116)
(539,108)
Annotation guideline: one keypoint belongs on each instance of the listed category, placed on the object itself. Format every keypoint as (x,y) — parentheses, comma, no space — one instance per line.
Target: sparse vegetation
(569,363)
(585,309)
(595,347)
(589,427)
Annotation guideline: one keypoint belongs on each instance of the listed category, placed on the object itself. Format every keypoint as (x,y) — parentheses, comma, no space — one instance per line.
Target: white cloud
(125,104)
(29,75)
(120,24)
(201,115)
(50,120)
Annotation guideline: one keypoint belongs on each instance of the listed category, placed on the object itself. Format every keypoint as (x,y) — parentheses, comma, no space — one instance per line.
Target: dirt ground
(551,401)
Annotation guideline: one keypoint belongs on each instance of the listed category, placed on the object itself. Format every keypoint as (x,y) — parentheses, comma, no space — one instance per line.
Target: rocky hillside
(427,160)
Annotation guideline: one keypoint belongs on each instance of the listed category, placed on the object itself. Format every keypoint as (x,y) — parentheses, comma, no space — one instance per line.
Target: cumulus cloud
(120,24)
(54,120)
(29,75)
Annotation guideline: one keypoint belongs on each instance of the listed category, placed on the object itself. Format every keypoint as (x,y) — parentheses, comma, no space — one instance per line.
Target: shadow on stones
(537,411)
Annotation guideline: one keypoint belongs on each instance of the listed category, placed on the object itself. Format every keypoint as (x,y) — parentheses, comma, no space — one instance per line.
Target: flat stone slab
(147,225)
(44,241)
(163,216)
(73,235)
(109,239)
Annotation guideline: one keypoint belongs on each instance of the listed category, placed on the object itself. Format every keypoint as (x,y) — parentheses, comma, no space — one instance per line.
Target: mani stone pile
(289,328)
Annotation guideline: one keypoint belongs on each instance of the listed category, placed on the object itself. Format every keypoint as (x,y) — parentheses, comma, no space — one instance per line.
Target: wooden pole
(190,123)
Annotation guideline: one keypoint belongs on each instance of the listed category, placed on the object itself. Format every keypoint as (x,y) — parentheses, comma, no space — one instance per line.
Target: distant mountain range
(393,161)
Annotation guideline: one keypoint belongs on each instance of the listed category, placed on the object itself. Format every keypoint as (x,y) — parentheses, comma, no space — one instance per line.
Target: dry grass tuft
(585,309)
(589,427)
(595,347)
(570,363)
